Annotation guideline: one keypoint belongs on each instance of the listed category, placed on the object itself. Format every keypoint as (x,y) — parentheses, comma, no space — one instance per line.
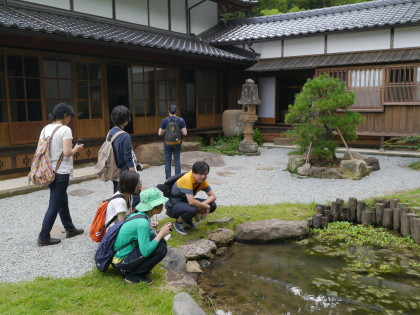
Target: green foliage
(269,7)
(95,292)
(257,137)
(225,145)
(406,143)
(348,235)
(314,116)
(415,166)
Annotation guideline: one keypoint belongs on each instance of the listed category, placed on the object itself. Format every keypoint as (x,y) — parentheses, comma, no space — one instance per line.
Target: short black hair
(120,115)
(128,181)
(200,167)
(172,109)
(60,110)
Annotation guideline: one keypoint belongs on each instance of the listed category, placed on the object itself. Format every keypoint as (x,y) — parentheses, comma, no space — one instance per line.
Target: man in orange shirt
(182,205)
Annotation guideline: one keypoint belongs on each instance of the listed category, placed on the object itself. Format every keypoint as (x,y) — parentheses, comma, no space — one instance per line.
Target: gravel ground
(243,181)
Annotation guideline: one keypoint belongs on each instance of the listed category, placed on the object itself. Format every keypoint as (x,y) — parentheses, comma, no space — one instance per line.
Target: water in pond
(289,278)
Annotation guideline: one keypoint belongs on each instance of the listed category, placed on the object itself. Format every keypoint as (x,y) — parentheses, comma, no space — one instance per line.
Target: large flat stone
(270,230)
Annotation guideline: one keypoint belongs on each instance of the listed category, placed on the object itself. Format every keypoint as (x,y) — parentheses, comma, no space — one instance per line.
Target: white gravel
(246,181)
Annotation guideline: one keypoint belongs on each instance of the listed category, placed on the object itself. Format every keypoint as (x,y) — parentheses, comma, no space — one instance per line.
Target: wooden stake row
(388,213)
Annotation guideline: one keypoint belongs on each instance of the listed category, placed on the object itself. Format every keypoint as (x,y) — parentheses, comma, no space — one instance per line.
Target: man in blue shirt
(172,149)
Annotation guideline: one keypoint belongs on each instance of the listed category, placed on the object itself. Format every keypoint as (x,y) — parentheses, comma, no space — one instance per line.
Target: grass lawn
(107,293)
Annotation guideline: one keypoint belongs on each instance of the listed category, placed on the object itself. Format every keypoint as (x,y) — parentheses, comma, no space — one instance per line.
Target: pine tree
(321,109)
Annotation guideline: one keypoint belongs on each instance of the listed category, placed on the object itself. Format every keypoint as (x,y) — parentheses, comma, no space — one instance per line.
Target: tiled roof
(334,60)
(367,15)
(74,25)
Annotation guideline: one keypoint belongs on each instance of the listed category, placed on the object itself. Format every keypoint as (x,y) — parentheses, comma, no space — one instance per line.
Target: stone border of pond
(387,213)
(184,264)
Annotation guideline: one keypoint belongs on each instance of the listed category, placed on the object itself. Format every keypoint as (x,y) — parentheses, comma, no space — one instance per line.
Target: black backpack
(105,251)
(173,134)
(166,187)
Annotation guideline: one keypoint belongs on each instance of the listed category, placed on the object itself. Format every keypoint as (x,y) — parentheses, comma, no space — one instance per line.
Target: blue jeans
(185,211)
(135,266)
(176,151)
(59,204)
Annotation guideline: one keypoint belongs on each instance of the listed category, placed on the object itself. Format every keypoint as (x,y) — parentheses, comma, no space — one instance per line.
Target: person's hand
(166,229)
(78,147)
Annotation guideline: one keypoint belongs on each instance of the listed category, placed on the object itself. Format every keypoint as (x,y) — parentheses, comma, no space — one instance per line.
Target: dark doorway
(289,83)
(187,97)
(118,90)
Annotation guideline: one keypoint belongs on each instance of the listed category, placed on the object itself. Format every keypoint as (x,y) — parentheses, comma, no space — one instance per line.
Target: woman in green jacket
(144,246)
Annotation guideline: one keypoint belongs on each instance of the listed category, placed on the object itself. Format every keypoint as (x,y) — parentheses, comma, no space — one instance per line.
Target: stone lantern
(249,101)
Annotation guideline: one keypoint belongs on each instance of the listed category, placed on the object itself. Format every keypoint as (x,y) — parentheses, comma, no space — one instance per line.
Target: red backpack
(42,173)
(99,226)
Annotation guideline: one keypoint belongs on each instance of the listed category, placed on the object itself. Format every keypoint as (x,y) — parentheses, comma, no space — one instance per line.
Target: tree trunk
(415,233)
(353,209)
(361,205)
(379,213)
(367,217)
(344,213)
(324,222)
(316,222)
(396,219)
(393,203)
(387,222)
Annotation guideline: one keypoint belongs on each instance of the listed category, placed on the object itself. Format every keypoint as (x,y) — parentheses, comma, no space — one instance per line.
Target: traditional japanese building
(148,54)
(97,54)
(373,46)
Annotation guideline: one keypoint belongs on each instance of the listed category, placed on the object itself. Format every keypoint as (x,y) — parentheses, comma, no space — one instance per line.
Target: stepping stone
(237,168)
(267,168)
(226,173)
(80,192)
(215,181)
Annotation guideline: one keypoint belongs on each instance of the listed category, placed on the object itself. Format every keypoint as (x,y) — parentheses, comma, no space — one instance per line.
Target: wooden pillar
(361,205)
(388,218)
(379,211)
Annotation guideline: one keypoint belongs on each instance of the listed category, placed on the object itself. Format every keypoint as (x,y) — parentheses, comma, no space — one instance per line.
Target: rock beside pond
(178,280)
(212,159)
(221,236)
(174,259)
(193,267)
(270,230)
(221,222)
(294,162)
(198,249)
(372,163)
(356,156)
(184,304)
(354,169)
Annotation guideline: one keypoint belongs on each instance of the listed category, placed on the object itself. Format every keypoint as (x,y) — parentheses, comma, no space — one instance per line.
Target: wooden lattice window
(24,88)
(3,99)
(402,85)
(366,85)
(57,82)
(143,86)
(88,90)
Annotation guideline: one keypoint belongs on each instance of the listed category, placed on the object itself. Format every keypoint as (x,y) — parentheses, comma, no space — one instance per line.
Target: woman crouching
(144,246)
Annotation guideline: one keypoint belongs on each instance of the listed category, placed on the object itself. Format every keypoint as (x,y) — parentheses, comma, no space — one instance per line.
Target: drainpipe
(189,15)
(249,44)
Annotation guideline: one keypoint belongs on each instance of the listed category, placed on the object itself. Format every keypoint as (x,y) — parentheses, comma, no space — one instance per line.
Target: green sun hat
(150,198)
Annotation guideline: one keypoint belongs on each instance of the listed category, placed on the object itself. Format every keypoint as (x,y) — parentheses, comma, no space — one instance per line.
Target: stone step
(282,141)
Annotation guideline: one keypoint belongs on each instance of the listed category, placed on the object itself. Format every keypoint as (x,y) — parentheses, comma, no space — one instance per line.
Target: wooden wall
(393,121)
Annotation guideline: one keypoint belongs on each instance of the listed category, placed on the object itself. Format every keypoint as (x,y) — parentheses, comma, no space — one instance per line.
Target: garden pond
(306,276)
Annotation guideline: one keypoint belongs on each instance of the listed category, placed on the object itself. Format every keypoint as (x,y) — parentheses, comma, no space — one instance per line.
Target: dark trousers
(59,204)
(185,211)
(136,198)
(135,267)
(174,150)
